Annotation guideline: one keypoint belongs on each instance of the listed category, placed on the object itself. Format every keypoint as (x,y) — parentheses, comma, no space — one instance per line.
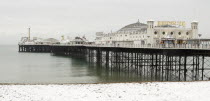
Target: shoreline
(142,82)
(150,91)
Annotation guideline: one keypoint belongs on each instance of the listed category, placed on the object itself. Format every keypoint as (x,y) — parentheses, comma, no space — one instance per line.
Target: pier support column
(107,59)
(185,68)
(98,56)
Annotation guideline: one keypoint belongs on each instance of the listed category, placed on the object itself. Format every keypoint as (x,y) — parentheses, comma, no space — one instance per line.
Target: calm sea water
(36,68)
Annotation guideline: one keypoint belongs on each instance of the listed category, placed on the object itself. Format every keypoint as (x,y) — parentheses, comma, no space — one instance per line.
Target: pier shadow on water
(98,73)
(146,74)
(145,63)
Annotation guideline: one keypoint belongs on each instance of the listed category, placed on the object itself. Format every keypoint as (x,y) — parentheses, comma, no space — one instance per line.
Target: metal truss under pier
(149,64)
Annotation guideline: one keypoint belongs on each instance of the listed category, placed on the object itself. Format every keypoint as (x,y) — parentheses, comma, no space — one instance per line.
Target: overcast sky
(54,18)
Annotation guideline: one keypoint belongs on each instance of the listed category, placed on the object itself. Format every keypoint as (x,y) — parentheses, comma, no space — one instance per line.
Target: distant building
(75,41)
(23,40)
(150,33)
(78,41)
(49,41)
(38,41)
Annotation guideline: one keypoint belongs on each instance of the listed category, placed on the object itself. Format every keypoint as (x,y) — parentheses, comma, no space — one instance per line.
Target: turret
(150,24)
(29,34)
(194,27)
(62,38)
(150,31)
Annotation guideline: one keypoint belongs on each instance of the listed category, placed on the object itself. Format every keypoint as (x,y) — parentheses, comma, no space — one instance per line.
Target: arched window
(180,33)
(164,33)
(172,33)
(187,33)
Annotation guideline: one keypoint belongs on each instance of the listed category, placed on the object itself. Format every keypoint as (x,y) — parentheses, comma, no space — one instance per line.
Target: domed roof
(134,27)
(51,40)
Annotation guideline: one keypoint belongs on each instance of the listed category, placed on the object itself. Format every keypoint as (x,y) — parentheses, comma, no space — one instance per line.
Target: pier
(149,63)
(166,51)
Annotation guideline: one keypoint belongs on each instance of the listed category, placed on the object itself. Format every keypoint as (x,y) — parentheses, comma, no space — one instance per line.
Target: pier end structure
(34,48)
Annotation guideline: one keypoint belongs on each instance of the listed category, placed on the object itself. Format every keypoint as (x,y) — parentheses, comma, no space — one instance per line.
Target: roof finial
(138,21)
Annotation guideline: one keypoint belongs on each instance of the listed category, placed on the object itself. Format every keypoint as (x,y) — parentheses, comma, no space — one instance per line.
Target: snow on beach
(155,91)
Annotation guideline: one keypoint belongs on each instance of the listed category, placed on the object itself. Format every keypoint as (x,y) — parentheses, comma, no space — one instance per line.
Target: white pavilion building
(150,34)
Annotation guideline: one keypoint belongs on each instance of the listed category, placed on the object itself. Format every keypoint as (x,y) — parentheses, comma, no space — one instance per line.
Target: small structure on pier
(76,41)
(37,41)
(49,41)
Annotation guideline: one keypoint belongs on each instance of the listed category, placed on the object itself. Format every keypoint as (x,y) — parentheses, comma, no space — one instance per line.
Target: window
(172,33)
(155,33)
(164,33)
(187,33)
(180,33)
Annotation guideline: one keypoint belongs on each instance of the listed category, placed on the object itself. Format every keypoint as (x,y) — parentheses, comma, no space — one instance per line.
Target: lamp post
(148,40)
(156,40)
(29,34)
(199,35)
(180,41)
(160,42)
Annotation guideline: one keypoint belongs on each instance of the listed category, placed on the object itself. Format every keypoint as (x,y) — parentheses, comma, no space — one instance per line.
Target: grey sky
(53,18)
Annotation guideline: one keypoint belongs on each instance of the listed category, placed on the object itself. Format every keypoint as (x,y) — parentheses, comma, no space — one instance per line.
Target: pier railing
(174,46)
(160,46)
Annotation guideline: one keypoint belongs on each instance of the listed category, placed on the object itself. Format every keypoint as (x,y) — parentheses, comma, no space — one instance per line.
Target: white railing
(174,46)
(160,46)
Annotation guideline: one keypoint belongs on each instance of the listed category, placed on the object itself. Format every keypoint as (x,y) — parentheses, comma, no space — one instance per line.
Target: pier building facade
(152,33)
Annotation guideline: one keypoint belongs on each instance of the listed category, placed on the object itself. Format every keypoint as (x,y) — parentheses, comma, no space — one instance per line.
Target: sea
(45,68)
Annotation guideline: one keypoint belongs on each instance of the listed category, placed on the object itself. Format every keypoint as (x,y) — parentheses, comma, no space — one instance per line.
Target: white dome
(135,27)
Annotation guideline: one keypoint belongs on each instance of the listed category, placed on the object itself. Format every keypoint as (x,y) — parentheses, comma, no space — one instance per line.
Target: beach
(146,91)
